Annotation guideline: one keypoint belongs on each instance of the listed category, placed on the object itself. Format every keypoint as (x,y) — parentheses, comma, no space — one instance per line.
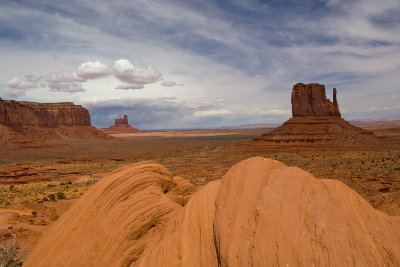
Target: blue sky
(178,64)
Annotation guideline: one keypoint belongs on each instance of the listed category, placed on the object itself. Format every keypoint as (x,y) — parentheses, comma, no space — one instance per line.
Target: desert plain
(39,184)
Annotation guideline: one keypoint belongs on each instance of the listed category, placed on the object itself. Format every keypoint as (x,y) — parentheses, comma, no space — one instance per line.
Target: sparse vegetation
(60,195)
(9,253)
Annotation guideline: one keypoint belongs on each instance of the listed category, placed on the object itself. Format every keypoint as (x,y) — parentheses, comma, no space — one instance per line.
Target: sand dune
(261,213)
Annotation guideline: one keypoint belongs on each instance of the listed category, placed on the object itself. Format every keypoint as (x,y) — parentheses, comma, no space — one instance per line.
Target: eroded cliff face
(21,113)
(310,100)
(316,125)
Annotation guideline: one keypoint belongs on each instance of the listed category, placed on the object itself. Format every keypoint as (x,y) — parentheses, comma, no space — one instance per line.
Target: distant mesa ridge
(18,113)
(32,124)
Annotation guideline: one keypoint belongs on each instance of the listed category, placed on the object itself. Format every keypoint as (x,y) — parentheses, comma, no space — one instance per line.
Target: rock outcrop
(121,126)
(18,113)
(310,100)
(316,125)
(31,124)
(261,213)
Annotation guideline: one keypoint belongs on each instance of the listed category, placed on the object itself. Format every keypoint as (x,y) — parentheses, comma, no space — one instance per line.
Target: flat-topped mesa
(20,113)
(310,100)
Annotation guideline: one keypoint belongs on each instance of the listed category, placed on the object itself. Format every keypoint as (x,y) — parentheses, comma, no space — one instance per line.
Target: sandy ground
(28,176)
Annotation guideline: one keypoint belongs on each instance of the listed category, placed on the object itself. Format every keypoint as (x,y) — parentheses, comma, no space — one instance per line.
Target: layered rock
(317,125)
(310,100)
(18,113)
(31,124)
(261,213)
(121,125)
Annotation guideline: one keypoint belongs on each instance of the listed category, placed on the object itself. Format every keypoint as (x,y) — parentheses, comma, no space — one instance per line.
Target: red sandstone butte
(310,100)
(316,125)
(121,125)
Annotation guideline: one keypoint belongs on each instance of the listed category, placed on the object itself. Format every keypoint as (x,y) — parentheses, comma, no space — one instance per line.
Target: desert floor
(38,184)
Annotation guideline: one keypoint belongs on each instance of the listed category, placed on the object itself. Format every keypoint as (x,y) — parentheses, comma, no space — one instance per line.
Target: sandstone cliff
(310,100)
(316,125)
(261,213)
(31,124)
(18,113)
(121,126)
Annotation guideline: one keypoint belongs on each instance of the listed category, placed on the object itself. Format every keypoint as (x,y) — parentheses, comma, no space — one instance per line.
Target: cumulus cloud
(18,83)
(17,87)
(125,71)
(93,70)
(63,77)
(133,78)
(66,87)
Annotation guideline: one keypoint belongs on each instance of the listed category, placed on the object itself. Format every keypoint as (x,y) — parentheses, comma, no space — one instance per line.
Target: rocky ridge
(32,124)
(19,113)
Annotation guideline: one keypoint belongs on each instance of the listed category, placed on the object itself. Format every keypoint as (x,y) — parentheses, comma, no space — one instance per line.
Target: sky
(183,64)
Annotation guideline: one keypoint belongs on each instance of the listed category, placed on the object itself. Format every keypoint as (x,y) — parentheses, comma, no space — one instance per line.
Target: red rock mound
(261,213)
(316,125)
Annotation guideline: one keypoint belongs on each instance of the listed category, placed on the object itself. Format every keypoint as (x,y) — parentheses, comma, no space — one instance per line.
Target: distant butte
(121,125)
(310,100)
(317,125)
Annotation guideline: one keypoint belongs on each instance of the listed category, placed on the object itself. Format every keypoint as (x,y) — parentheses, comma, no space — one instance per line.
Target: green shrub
(60,195)
(52,197)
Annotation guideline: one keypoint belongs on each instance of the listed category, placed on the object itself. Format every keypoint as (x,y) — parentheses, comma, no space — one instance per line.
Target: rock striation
(310,100)
(31,124)
(18,113)
(316,125)
(121,126)
(261,213)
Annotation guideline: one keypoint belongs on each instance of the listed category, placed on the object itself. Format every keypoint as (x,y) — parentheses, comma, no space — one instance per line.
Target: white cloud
(17,87)
(18,83)
(63,77)
(169,83)
(93,70)
(125,71)
(132,86)
(66,87)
